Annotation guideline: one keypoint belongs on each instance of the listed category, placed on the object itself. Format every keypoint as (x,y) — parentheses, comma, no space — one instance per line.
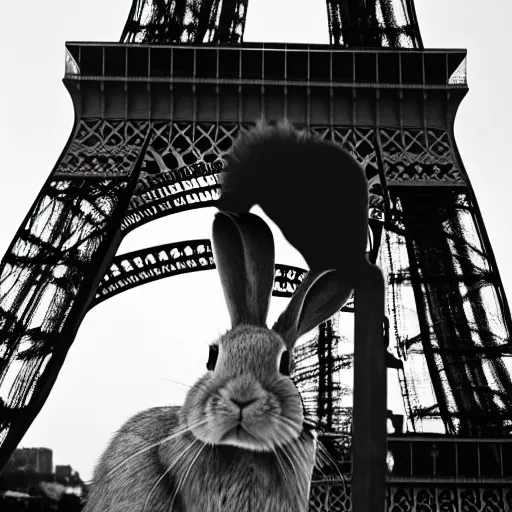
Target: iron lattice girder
(173,21)
(59,254)
(105,144)
(373,23)
(143,266)
(136,268)
(198,150)
(416,150)
(406,148)
(167,193)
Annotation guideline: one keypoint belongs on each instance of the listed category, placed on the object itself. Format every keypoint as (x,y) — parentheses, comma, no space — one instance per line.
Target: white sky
(129,345)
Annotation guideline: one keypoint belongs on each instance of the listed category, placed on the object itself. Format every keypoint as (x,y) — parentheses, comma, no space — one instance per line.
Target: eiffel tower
(156,113)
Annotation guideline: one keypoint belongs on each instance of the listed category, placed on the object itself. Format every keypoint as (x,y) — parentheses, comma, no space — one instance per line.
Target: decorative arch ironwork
(136,268)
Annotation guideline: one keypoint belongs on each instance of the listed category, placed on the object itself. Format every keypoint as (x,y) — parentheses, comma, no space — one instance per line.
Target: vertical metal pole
(370,395)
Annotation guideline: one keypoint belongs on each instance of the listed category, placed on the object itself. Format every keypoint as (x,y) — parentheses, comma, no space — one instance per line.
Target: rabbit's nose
(243,403)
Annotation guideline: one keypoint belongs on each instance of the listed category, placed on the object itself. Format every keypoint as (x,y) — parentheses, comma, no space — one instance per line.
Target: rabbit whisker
(297,452)
(154,445)
(174,381)
(294,465)
(289,395)
(185,476)
(318,466)
(322,452)
(279,461)
(282,466)
(306,470)
(289,425)
(299,455)
(168,470)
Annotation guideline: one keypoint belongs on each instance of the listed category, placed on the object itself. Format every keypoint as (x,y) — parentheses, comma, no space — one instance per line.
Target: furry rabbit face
(246,400)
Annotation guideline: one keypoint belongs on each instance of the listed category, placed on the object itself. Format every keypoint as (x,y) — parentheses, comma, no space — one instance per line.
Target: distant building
(63,471)
(39,460)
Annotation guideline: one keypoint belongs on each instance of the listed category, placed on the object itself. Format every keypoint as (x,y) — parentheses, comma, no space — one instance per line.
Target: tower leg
(52,268)
(369,436)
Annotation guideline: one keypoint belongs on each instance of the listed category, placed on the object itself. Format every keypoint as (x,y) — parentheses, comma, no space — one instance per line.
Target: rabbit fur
(239,443)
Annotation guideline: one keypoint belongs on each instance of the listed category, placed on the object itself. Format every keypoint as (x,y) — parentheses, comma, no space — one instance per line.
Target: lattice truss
(40,278)
(46,273)
(103,149)
(317,364)
(179,173)
(180,169)
(335,496)
(409,157)
(143,266)
(183,160)
(449,318)
(419,157)
(431,499)
(186,21)
(374,23)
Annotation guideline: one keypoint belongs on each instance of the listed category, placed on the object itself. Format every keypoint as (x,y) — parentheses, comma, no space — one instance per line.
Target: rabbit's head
(247,399)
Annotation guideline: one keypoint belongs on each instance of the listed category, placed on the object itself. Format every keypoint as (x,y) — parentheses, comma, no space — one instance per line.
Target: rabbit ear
(318,297)
(243,248)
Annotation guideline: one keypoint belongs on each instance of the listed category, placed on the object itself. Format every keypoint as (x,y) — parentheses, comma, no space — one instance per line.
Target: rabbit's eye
(284,365)
(212,357)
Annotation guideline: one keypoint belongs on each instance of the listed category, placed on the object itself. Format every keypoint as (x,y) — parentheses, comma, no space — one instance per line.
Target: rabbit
(240,442)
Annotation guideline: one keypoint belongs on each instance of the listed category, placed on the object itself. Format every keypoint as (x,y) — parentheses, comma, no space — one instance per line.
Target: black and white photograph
(255,256)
